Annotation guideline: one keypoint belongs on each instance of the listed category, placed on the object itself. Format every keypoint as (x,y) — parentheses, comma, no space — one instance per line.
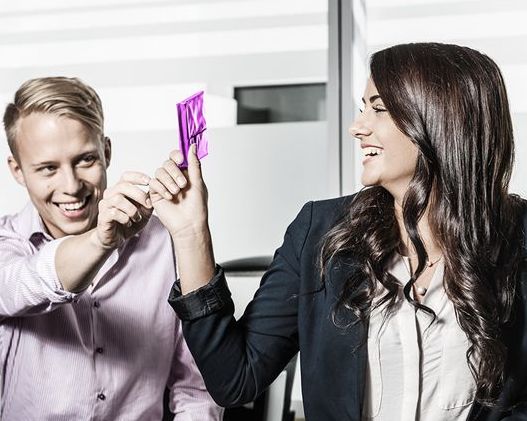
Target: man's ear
(107,150)
(16,170)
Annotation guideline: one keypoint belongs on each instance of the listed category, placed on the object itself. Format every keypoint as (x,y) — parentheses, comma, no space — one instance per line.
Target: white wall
(143,57)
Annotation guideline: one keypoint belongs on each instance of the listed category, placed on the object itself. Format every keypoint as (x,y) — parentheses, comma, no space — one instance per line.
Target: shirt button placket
(101,397)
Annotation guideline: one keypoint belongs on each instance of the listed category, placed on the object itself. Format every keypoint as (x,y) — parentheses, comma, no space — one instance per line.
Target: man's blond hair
(62,96)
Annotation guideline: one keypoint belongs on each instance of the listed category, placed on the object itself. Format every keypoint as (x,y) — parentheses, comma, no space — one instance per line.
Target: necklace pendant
(421,290)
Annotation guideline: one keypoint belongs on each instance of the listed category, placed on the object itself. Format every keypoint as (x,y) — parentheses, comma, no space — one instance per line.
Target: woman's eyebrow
(372,98)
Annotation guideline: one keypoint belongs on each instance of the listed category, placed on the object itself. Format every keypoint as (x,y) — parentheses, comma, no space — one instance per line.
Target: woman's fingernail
(168,196)
(181,181)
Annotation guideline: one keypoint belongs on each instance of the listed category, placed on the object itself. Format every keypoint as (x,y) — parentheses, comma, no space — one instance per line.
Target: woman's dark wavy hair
(452,103)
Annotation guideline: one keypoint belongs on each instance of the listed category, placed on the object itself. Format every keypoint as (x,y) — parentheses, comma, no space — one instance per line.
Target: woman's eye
(379,110)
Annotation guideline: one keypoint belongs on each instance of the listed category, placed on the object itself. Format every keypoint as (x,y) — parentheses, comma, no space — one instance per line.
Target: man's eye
(87,160)
(48,169)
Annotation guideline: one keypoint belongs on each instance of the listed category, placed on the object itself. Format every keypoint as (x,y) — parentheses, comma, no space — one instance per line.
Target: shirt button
(101,396)
(99,350)
(96,304)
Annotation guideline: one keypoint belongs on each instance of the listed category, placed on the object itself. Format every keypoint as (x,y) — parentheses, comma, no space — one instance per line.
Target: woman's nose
(359,128)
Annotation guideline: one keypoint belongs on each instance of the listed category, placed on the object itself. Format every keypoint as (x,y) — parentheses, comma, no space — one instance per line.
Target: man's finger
(135,177)
(124,205)
(133,192)
(118,216)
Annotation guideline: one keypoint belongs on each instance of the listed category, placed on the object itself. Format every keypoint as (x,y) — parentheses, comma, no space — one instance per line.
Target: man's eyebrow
(43,164)
(87,152)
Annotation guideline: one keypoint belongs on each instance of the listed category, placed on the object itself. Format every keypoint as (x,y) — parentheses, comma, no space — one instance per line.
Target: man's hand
(180,196)
(123,211)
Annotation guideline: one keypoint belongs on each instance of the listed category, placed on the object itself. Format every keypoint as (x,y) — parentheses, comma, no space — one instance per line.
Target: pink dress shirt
(104,354)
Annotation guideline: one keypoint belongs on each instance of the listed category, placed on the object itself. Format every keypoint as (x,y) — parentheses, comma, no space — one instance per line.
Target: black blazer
(291,311)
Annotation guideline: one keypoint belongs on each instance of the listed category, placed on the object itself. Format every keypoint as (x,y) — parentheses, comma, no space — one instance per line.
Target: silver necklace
(432,263)
(422,290)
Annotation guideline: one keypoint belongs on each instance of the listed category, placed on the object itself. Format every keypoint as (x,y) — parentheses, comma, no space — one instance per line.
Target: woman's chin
(368,180)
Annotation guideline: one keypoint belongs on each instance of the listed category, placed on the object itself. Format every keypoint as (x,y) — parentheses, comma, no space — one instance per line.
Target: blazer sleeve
(240,359)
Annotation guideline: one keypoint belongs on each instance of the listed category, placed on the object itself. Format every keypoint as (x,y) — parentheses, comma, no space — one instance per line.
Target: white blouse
(417,370)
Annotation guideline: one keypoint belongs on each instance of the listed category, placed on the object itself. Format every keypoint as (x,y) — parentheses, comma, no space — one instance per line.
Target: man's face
(63,166)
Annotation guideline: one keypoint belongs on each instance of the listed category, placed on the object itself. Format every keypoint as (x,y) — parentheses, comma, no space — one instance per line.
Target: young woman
(406,300)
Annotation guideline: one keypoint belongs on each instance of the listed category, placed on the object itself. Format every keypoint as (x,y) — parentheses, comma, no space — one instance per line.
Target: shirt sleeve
(240,359)
(189,399)
(28,280)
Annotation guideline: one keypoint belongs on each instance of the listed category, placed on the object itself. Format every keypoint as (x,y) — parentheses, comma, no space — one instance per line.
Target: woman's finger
(167,180)
(194,165)
(156,187)
(177,156)
(175,172)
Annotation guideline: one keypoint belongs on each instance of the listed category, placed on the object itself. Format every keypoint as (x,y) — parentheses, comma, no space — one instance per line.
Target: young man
(85,329)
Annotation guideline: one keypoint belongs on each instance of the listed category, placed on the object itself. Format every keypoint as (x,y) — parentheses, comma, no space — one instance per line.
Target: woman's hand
(180,200)
(180,197)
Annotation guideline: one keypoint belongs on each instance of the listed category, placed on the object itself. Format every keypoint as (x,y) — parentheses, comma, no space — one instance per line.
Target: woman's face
(389,156)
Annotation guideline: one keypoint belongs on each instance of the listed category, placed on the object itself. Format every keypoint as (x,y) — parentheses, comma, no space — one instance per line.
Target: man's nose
(72,182)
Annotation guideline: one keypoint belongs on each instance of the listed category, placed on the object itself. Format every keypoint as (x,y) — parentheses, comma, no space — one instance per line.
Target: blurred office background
(283,80)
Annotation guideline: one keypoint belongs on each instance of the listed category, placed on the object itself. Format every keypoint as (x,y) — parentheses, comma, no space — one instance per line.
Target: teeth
(72,206)
(372,151)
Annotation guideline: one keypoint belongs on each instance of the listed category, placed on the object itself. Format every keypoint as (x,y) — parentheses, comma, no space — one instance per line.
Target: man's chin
(62,229)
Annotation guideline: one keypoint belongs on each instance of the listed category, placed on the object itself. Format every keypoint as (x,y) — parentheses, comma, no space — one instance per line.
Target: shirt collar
(31,226)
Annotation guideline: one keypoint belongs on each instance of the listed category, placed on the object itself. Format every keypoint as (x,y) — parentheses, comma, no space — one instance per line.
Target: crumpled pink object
(192,126)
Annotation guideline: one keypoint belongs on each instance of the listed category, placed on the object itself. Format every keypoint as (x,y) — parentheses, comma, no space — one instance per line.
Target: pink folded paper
(192,126)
